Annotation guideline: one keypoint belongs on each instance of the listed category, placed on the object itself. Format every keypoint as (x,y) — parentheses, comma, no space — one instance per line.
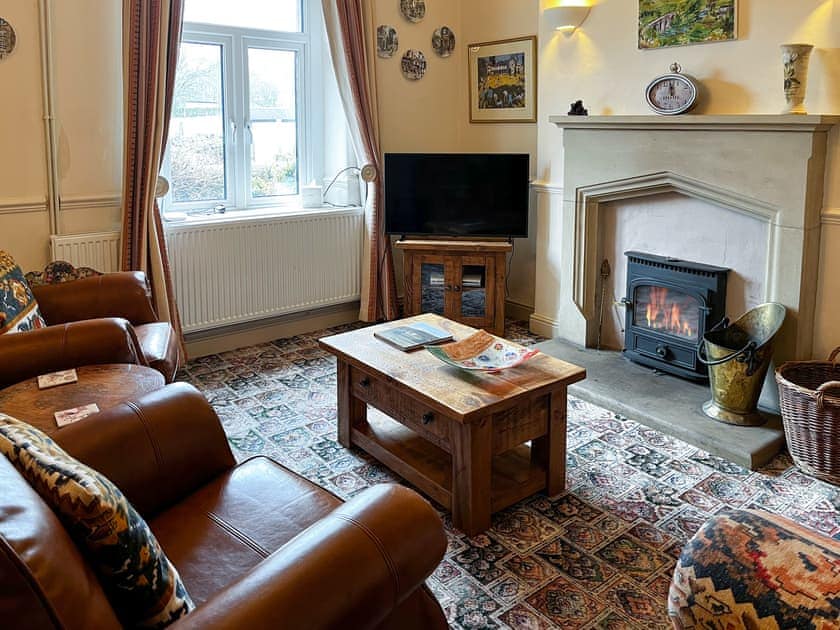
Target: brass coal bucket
(738,355)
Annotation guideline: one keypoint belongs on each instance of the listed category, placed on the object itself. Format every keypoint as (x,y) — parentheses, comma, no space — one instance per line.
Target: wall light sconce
(566,18)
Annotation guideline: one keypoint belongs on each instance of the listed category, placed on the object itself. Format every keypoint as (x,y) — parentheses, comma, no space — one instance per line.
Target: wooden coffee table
(106,385)
(457,436)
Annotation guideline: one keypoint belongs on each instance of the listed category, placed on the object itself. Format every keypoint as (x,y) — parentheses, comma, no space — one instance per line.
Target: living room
(255,304)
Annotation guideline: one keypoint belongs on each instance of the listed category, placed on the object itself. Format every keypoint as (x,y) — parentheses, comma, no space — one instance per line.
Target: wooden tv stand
(461,280)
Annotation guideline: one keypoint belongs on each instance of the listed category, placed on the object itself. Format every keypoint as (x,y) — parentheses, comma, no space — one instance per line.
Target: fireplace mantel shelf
(734,122)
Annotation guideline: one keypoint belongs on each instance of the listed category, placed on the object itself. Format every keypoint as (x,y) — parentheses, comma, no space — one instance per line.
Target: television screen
(456,194)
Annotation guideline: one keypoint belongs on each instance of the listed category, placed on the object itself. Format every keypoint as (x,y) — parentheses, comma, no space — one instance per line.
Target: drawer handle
(428,417)
(365,382)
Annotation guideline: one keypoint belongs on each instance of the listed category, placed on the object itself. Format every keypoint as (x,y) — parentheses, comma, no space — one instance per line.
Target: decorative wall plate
(443,41)
(413,10)
(387,41)
(413,65)
(7,39)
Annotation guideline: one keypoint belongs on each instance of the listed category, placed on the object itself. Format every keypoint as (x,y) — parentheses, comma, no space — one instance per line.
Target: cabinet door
(411,282)
(429,282)
(473,290)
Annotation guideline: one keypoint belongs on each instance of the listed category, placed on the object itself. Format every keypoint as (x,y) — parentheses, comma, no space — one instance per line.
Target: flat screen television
(457,194)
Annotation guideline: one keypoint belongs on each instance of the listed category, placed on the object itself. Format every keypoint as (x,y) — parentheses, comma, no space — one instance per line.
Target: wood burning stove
(670,304)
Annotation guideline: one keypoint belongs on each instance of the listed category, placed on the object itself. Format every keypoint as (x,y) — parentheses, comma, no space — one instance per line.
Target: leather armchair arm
(124,294)
(367,556)
(157,449)
(91,342)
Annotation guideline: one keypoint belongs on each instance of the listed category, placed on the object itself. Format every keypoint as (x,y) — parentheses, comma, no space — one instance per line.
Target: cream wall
(421,115)
(431,115)
(88,95)
(601,64)
(490,20)
(23,181)
(88,98)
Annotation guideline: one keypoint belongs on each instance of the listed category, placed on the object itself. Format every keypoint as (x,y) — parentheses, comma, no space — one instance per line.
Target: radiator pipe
(50,136)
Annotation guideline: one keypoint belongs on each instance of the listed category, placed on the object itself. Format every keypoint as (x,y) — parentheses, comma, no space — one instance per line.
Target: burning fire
(662,315)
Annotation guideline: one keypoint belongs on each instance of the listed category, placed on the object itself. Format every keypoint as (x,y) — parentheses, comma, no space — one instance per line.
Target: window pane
(273,15)
(197,132)
(272,105)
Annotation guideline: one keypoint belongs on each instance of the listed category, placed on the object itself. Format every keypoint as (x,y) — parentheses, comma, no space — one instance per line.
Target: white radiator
(238,271)
(100,250)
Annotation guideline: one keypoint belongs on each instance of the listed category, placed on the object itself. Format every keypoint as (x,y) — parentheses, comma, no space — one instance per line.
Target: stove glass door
(667,310)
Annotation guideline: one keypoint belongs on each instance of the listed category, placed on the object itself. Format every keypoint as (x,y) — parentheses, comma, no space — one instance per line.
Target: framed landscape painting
(503,81)
(664,23)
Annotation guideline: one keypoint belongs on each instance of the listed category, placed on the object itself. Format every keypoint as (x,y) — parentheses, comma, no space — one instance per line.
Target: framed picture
(503,81)
(664,23)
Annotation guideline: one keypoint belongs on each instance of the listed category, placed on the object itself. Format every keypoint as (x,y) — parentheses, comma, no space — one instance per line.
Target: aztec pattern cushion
(751,569)
(142,585)
(18,308)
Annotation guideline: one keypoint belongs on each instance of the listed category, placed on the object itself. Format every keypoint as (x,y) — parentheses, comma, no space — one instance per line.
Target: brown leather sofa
(101,319)
(256,545)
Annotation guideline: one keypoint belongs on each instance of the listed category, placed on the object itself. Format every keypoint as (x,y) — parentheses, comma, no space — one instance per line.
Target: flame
(662,313)
(674,322)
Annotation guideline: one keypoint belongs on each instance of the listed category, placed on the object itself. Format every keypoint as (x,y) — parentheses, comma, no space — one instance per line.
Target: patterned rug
(599,556)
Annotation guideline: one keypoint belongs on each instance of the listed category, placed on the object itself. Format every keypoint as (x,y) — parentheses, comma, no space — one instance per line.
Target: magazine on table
(413,336)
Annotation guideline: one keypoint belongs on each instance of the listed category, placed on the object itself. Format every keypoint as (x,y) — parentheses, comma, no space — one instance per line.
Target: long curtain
(350,31)
(151,35)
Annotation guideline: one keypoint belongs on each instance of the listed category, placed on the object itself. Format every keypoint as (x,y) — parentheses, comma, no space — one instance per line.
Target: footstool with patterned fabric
(751,569)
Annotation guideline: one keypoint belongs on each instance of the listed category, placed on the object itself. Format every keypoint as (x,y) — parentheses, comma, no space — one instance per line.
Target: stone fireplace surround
(766,168)
(769,167)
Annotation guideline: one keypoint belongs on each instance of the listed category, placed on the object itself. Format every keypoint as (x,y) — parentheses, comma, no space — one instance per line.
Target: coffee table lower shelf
(429,468)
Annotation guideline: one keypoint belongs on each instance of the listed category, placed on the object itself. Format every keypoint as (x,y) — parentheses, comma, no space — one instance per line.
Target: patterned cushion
(142,585)
(18,308)
(59,271)
(750,569)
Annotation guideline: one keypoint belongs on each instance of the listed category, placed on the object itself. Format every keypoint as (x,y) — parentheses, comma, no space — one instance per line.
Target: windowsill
(254,214)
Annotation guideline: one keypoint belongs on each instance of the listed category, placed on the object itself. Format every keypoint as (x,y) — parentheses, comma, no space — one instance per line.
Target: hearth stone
(666,403)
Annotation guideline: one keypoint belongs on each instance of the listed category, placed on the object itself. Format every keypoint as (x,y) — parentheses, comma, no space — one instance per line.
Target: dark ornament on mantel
(578,109)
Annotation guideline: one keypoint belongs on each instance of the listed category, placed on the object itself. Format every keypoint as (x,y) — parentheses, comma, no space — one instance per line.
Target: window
(247,117)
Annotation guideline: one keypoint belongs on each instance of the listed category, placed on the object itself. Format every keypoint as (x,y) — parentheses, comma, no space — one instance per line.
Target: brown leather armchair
(256,545)
(107,318)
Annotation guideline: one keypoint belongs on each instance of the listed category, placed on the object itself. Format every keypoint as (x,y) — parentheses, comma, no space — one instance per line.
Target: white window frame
(235,42)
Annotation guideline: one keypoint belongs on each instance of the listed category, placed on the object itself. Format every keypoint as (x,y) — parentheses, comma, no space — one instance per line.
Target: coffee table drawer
(413,414)
(519,424)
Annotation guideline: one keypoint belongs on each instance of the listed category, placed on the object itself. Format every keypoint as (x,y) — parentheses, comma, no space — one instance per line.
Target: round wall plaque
(387,41)
(413,64)
(443,41)
(413,10)
(7,39)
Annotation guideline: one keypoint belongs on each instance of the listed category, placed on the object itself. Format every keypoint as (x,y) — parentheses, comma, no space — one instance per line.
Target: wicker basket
(809,392)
